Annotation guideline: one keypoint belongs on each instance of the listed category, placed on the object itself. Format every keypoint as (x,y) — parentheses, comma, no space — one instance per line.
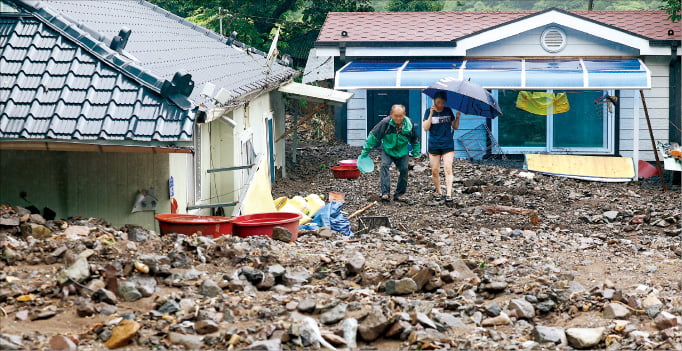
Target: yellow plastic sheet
(542,103)
(258,198)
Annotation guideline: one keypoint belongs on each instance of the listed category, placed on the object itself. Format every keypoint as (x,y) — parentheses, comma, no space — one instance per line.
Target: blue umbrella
(466,97)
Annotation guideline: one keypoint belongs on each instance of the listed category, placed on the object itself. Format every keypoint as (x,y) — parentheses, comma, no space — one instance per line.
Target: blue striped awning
(513,74)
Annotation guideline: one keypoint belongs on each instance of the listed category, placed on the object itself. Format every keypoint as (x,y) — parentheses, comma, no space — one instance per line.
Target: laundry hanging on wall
(542,103)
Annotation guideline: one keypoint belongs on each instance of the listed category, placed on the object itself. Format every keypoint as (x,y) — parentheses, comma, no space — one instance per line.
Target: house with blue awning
(592,63)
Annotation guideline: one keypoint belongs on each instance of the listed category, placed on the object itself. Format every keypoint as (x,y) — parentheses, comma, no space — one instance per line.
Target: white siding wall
(657,104)
(357,118)
(577,44)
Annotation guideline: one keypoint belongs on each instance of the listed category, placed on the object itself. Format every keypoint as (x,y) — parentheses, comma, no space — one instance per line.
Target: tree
(415,5)
(672,8)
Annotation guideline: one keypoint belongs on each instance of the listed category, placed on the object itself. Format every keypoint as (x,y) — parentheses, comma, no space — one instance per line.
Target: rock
(495,286)
(651,300)
(10,221)
(665,320)
(296,276)
(107,310)
(401,287)
(373,325)
(77,230)
(502,319)
(122,333)
(277,270)
(448,320)
(493,309)
(38,231)
(309,331)
(397,328)
(334,315)
(350,332)
(334,339)
(21,315)
(78,271)
(145,284)
(11,342)
(462,270)
(136,233)
(325,232)
(252,275)
(356,263)
(583,338)
(169,307)
(307,305)
(616,311)
(128,291)
(420,275)
(205,327)
(104,295)
(85,310)
(552,335)
(267,282)
(62,343)
(281,234)
(210,288)
(523,308)
(545,306)
(265,345)
(610,215)
(179,259)
(426,337)
(37,219)
(424,320)
(190,342)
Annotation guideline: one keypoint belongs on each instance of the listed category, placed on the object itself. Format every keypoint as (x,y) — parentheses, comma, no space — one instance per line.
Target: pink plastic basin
(349,163)
(264,223)
(191,224)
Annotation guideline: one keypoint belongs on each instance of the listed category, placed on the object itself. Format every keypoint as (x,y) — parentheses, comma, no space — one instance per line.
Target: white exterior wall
(220,146)
(357,118)
(657,104)
(527,44)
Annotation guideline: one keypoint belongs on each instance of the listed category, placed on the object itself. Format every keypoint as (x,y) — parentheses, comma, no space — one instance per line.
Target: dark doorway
(379,104)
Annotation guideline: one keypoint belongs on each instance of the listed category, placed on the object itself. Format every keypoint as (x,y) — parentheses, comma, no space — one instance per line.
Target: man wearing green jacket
(394,132)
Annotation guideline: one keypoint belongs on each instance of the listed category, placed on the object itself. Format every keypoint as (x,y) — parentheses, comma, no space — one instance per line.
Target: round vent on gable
(553,39)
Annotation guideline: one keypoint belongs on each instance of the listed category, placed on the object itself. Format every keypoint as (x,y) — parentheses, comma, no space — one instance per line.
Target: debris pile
(600,268)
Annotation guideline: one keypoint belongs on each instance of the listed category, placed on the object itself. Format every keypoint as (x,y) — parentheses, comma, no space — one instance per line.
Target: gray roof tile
(164,43)
(55,88)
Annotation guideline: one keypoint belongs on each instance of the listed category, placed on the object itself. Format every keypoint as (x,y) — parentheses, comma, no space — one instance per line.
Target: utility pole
(220,18)
(590,4)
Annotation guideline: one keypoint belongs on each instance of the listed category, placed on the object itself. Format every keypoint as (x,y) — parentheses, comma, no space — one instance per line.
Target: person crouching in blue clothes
(395,133)
(441,123)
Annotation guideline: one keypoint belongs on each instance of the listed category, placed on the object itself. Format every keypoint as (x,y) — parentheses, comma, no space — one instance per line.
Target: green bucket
(365,164)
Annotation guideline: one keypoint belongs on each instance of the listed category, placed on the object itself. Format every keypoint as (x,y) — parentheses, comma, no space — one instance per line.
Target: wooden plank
(616,168)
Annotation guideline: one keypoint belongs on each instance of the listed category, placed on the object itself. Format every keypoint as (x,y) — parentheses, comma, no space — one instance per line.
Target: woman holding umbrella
(440,122)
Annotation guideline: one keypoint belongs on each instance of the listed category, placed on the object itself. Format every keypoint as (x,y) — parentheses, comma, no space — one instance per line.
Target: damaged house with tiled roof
(106,102)
(596,60)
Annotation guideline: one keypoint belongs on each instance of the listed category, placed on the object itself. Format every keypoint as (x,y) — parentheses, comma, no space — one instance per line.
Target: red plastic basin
(190,224)
(346,172)
(264,223)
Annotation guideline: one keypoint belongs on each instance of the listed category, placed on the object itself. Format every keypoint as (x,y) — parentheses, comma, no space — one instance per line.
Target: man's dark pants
(401,163)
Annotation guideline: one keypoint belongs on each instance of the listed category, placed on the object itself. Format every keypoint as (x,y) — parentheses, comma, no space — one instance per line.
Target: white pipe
(635,131)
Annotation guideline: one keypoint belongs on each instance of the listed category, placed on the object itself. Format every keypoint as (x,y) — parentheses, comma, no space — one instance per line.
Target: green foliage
(672,8)
(415,5)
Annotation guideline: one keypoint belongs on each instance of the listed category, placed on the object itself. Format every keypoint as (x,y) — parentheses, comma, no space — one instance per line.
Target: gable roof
(162,42)
(58,82)
(451,26)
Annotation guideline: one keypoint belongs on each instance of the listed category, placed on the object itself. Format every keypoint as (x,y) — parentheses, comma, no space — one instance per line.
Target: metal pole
(653,142)
(220,17)
(294,142)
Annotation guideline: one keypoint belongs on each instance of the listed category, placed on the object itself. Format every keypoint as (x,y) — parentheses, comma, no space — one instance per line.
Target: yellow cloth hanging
(542,103)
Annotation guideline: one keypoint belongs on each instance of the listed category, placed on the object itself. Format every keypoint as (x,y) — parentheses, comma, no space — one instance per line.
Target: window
(586,127)
(519,128)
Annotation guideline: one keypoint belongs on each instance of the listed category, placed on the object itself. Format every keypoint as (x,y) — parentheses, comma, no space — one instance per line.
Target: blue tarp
(330,216)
